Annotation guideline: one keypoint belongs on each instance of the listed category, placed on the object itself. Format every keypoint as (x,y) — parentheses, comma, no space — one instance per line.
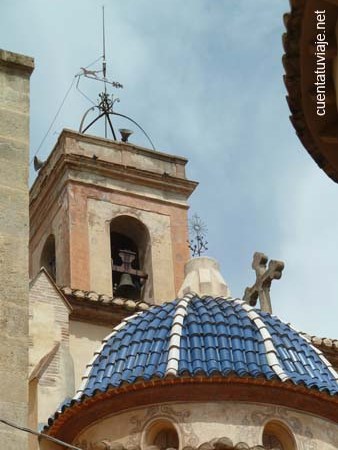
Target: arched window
(276,436)
(163,435)
(131,258)
(48,259)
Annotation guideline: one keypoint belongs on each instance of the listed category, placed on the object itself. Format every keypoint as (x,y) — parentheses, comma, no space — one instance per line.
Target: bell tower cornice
(75,154)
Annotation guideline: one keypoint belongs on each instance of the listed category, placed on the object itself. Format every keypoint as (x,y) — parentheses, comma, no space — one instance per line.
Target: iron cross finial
(197,243)
(264,277)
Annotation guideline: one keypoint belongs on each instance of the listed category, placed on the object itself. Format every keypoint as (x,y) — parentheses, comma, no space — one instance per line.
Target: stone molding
(223,443)
(69,422)
(61,159)
(16,61)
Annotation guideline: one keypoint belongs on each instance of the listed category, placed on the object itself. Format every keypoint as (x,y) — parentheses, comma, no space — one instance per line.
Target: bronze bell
(127,288)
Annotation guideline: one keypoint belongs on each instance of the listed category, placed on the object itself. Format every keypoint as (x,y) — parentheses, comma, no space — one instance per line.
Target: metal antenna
(104,65)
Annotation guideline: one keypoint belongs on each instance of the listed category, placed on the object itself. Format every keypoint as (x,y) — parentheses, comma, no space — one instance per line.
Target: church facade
(132,345)
(136,368)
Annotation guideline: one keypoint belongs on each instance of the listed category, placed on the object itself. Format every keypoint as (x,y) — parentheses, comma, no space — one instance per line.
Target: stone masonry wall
(15,71)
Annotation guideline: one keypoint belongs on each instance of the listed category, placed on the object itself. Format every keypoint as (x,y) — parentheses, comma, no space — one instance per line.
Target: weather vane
(105,103)
(198,230)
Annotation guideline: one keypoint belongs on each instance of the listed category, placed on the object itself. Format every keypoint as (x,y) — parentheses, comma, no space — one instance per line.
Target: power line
(60,107)
(83,94)
(94,62)
(40,435)
(53,121)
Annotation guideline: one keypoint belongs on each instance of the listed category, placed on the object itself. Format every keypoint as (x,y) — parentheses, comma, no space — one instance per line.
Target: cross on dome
(264,277)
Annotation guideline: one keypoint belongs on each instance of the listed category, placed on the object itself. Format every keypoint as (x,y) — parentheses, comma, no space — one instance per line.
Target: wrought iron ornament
(197,230)
(105,103)
(103,106)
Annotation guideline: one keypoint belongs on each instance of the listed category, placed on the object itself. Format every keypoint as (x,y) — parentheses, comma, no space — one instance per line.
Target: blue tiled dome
(206,336)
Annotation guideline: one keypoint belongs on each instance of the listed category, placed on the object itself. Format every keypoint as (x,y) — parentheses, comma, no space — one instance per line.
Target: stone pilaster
(15,71)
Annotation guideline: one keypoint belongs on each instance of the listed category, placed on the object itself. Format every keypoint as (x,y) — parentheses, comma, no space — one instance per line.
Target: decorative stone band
(89,366)
(319,353)
(271,352)
(223,443)
(176,333)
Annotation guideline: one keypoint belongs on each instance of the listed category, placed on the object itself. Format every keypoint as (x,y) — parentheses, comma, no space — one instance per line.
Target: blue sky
(204,78)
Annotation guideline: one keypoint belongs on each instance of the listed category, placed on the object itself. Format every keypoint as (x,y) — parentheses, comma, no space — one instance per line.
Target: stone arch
(130,234)
(277,436)
(162,434)
(48,256)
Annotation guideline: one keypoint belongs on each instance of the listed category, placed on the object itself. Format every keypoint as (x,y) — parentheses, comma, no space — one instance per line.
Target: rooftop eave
(69,422)
(101,309)
(318,134)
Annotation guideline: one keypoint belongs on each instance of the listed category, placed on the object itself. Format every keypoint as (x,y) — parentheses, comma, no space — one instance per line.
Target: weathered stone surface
(223,443)
(204,424)
(16,62)
(76,197)
(202,275)
(14,145)
(49,326)
(13,125)
(205,446)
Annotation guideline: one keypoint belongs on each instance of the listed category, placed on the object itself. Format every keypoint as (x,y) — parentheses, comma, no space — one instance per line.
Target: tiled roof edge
(319,341)
(94,297)
(89,366)
(319,353)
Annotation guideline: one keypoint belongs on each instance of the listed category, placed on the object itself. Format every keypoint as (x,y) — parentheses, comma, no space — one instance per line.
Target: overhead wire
(83,94)
(79,75)
(53,121)
(61,106)
(94,62)
(40,435)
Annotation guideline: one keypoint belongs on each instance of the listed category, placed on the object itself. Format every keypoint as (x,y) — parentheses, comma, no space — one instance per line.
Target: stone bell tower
(106,213)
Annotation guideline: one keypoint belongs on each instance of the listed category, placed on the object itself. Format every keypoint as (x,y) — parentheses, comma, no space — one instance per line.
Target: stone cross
(264,277)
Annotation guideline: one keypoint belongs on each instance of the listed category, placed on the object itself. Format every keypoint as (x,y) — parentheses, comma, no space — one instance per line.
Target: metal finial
(197,229)
(105,104)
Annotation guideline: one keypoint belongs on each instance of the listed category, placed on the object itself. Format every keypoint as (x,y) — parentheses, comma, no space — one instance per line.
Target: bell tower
(111,217)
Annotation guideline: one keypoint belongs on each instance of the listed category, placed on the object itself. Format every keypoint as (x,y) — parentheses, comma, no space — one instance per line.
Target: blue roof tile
(217,336)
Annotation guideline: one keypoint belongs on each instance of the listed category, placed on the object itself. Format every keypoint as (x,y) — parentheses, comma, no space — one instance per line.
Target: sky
(204,78)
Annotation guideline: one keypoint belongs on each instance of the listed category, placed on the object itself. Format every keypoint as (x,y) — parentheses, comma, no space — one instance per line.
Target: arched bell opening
(276,436)
(162,434)
(48,258)
(131,258)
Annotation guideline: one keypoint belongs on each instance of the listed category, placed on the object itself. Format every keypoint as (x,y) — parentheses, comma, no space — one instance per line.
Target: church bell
(127,288)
